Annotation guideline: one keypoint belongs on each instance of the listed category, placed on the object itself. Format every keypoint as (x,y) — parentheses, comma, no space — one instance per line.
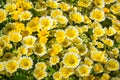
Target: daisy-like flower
(82,49)
(97,56)
(109,1)
(84,3)
(29,41)
(25,63)
(1,66)
(25,15)
(116,26)
(99,3)
(111,31)
(112,65)
(97,15)
(46,22)
(66,72)
(39,73)
(39,49)
(73,49)
(77,41)
(71,32)
(41,65)
(62,19)
(54,60)
(53,4)
(1,52)
(98,31)
(55,13)
(98,68)
(108,42)
(3,15)
(11,66)
(105,76)
(76,17)
(88,61)
(115,8)
(22,50)
(15,36)
(60,36)
(84,70)
(64,6)
(10,7)
(57,76)
(71,60)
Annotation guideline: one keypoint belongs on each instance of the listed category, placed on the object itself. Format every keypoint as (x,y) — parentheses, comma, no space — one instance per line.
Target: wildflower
(25,63)
(98,68)
(71,32)
(41,65)
(111,31)
(71,60)
(99,3)
(84,3)
(25,15)
(64,6)
(55,13)
(83,70)
(76,17)
(108,42)
(97,15)
(112,65)
(39,73)
(88,61)
(54,60)
(60,36)
(109,1)
(46,22)
(57,76)
(15,36)
(10,7)
(22,50)
(11,66)
(3,15)
(66,72)
(98,31)
(105,76)
(29,41)
(115,8)
(52,4)
(62,19)
(1,66)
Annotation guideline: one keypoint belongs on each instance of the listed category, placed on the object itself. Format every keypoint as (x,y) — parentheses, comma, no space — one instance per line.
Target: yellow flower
(43,40)
(66,72)
(19,26)
(25,15)
(97,15)
(64,6)
(52,4)
(95,24)
(112,65)
(115,8)
(22,50)
(62,19)
(98,68)
(26,32)
(57,76)
(60,36)
(29,41)
(34,24)
(97,56)
(116,26)
(1,52)
(71,32)
(84,3)
(39,73)
(46,22)
(3,15)
(115,51)
(39,49)
(73,49)
(84,70)
(87,19)
(43,33)
(41,65)
(10,7)
(106,10)
(77,41)
(15,36)
(100,45)
(105,76)
(1,66)
(55,13)
(88,61)
(11,66)
(108,42)
(71,60)
(109,1)
(82,49)
(25,63)
(54,60)
(98,31)
(2,43)
(99,3)
(66,43)
(111,31)
(76,17)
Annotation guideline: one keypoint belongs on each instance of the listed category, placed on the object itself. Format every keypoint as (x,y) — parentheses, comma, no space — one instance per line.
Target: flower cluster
(60,40)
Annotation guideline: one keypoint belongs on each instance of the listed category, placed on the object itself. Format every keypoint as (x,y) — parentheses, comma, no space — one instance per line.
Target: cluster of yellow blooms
(60,39)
